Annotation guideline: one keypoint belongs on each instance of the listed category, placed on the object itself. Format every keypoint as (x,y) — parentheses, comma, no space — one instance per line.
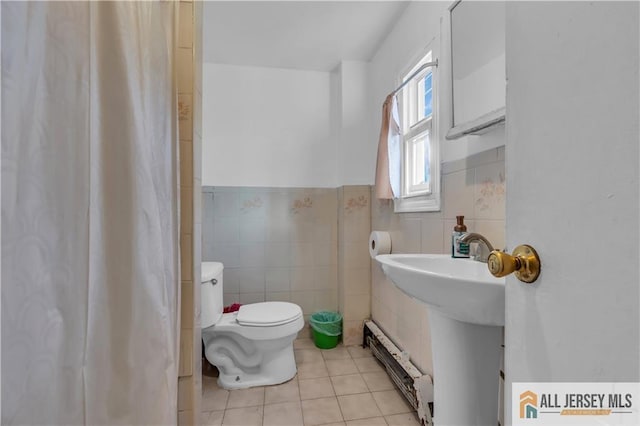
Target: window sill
(429,203)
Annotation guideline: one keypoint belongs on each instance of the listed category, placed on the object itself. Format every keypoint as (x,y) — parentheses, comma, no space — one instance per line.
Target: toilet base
(280,367)
(245,362)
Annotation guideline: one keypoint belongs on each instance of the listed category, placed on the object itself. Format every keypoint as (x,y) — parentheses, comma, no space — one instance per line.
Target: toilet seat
(229,325)
(268,314)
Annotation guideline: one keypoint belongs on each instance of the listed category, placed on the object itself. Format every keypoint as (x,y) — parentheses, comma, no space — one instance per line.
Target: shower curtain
(89,213)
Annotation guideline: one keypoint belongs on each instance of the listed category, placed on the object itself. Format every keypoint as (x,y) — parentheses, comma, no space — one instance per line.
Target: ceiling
(306,35)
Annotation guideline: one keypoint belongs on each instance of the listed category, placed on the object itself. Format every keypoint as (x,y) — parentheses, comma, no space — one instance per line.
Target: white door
(572,161)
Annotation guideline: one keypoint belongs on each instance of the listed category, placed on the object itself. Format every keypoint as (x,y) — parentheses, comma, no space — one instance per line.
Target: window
(421,164)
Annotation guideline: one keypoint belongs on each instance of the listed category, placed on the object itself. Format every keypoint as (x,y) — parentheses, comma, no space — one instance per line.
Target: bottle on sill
(459,249)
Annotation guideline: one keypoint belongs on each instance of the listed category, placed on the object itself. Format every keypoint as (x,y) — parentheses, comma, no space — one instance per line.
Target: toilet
(250,347)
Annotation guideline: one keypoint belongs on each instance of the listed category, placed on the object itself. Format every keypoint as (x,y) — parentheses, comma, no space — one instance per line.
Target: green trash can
(326,328)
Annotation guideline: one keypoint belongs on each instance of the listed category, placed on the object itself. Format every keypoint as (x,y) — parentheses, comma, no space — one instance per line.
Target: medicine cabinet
(478,82)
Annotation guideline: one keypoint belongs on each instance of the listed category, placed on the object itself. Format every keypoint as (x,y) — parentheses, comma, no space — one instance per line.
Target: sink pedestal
(466,366)
(466,312)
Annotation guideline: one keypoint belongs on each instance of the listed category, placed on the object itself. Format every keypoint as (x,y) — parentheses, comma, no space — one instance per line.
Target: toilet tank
(211,292)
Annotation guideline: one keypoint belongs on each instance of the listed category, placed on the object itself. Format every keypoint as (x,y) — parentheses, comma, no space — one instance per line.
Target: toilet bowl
(250,347)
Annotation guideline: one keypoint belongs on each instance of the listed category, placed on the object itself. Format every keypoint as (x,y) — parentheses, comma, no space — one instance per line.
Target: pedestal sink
(466,316)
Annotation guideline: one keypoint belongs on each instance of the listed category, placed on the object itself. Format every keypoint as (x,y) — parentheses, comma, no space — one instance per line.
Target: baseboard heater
(416,387)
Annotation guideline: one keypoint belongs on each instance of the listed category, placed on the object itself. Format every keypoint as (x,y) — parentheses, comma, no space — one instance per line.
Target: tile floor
(341,386)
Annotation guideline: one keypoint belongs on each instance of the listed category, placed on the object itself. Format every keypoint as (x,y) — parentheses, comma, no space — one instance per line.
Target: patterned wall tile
(286,242)
(247,298)
(184,64)
(277,254)
(352,332)
(356,204)
(458,194)
(252,280)
(226,230)
(325,277)
(252,229)
(474,188)
(252,205)
(185,117)
(301,205)
(225,204)
(251,255)
(490,187)
(277,280)
(432,236)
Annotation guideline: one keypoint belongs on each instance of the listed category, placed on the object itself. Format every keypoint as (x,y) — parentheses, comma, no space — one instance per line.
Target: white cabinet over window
(478,66)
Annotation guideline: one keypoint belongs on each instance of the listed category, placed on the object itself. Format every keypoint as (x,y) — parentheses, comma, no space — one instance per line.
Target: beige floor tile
(315,388)
(209,383)
(246,397)
(245,416)
(339,352)
(212,418)
(360,406)
(305,333)
(368,365)
(378,381)
(359,352)
(286,392)
(349,384)
(312,370)
(406,419)
(373,421)
(321,411)
(339,367)
(214,399)
(307,356)
(304,343)
(391,402)
(335,424)
(283,414)
(204,417)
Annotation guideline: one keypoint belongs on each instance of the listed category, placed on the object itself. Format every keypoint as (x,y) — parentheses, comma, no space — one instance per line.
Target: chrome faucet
(470,237)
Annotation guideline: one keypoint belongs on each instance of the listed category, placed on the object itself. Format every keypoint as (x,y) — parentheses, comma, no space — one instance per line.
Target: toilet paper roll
(379,243)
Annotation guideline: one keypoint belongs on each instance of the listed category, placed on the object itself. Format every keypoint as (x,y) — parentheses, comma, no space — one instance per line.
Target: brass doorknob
(524,261)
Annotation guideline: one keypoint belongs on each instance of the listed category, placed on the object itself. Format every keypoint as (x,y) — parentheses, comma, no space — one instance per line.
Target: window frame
(419,199)
(409,189)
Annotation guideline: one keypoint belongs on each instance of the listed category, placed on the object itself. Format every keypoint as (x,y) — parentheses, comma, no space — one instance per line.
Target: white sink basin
(466,314)
(461,289)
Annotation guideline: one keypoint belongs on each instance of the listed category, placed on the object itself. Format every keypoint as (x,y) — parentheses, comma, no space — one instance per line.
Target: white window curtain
(89,213)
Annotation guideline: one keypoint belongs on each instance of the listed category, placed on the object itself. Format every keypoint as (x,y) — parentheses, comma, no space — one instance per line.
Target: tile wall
(310,246)
(277,244)
(473,187)
(354,262)
(188,63)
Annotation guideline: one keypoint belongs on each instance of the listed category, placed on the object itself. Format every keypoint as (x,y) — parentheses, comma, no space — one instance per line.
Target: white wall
(355,131)
(417,27)
(288,128)
(572,168)
(267,127)
(292,128)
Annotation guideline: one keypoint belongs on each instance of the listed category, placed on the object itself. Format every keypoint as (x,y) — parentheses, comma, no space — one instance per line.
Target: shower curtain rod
(418,71)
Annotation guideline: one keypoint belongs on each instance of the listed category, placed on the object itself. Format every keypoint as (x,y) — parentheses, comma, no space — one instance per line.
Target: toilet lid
(268,313)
